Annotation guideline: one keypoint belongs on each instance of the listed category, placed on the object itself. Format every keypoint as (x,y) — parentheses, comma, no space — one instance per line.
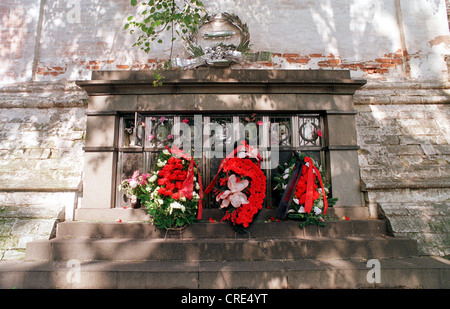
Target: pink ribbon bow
(234,195)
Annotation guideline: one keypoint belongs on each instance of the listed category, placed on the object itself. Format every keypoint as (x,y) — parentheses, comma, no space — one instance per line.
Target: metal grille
(211,137)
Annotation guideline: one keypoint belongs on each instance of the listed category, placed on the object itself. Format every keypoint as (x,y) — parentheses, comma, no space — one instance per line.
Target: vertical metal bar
(119,171)
(266,155)
(236,132)
(206,161)
(295,126)
(176,127)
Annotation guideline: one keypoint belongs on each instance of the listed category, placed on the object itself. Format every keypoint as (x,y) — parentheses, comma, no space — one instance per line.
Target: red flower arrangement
(242,187)
(171,178)
(172,192)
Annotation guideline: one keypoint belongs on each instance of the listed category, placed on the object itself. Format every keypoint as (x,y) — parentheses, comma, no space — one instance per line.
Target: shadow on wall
(404,165)
(81,37)
(19,27)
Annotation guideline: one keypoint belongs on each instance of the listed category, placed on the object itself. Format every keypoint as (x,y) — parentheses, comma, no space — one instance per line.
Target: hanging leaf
(166,15)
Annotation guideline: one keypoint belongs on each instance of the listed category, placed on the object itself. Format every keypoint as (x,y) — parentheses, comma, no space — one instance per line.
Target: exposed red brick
(267,64)
(383,60)
(381,71)
(334,61)
(291,55)
(388,65)
(123,66)
(316,56)
(371,65)
(330,63)
(302,60)
(290,60)
(352,66)
(369,70)
(375,71)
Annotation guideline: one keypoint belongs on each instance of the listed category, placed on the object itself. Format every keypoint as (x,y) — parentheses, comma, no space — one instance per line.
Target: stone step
(409,273)
(288,229)
(141,214)
(221,249)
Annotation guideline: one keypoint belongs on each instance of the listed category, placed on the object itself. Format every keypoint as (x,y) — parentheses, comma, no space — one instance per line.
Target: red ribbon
(188,185)
(309,187)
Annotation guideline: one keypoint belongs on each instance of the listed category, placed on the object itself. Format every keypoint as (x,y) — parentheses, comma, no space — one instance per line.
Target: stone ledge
(437,183)
(128,214)
(220,81)
(225,75)
(42,95)
(219,230)
(403,93)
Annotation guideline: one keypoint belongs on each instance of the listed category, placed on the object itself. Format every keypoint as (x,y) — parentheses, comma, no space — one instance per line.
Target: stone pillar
(342,157)
(100,160)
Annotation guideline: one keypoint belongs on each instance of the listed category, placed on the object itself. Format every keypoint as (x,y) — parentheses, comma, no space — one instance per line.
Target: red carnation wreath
(241,186)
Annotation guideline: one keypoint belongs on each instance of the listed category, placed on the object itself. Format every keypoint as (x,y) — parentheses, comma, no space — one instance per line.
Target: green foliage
(286,169)
(157,16)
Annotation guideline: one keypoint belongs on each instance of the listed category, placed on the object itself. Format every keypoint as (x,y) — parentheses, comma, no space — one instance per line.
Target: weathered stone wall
(404,135)
(41,148)
(42,128)
(400,46)
(29,216)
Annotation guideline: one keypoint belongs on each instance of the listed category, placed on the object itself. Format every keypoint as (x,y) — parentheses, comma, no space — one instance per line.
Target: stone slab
(131,249)
(409,273)
(219,230)
(224,75)
(129,214)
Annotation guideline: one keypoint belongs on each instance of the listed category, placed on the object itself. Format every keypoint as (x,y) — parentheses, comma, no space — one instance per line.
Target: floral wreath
(171,193)
(244,45)
(241,186)
(309,201)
